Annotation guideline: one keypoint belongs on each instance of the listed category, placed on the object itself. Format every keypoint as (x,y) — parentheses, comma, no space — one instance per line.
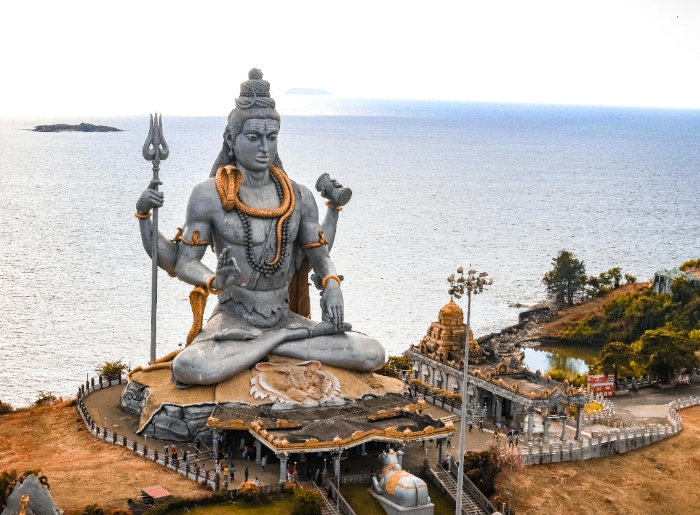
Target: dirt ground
(81,469)
(580,312)
(659,479)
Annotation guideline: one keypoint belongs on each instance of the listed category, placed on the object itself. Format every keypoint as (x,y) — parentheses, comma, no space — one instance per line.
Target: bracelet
(142,217)
(209,287)
(339,208)
(315,244)
(325,280)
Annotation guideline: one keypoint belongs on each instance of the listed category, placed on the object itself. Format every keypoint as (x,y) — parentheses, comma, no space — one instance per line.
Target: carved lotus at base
(304,384)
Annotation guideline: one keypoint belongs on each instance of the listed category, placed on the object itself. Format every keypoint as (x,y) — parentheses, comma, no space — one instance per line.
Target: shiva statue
(265,231)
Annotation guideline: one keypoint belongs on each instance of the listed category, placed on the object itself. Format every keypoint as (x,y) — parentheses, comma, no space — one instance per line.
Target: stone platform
(181,415)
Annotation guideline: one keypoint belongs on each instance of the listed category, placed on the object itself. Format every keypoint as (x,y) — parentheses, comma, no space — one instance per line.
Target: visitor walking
(263,462)
(217,468)
(245,474)
(481,424)
(232,472)
(510,440)
(318,471)
(517,439)
(226,474)
(256,482)
(470,425)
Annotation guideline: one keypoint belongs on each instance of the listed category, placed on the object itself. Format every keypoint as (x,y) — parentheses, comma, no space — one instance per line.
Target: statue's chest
(240,230)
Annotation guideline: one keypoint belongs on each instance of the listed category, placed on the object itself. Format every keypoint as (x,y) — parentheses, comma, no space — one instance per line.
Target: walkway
(470,506)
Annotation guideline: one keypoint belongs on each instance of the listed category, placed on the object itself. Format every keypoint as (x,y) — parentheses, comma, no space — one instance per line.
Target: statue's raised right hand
(226,270)
(150,198)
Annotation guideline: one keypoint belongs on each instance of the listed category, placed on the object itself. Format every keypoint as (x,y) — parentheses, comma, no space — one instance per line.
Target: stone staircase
(450,418)
(470,506)
(328,505)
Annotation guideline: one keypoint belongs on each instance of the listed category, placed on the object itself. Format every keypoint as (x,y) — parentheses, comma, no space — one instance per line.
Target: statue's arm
(167,250)
(189,267)
(308,235)
(308,238)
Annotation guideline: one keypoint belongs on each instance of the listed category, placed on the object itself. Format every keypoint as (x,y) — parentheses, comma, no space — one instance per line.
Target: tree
(616,275)
(630,279)
(682,291)
(307,502)
(663,351)
(605,280)
(566,279)
(613,356)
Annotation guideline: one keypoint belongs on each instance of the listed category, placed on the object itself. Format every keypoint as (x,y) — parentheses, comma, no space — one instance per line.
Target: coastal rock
(40,501)
(196,412)
(134,398)
(173,411)
(169,428)
(82,127)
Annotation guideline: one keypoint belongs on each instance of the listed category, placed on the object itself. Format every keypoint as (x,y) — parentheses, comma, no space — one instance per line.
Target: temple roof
(451,314)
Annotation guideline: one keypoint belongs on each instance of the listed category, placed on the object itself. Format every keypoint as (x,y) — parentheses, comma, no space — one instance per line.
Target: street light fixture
(470,285)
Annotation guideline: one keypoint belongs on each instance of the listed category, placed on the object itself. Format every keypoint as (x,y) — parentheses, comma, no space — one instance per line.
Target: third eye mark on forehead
(262,125)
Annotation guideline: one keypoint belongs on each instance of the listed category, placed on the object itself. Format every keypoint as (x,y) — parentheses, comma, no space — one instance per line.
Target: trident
(159,152)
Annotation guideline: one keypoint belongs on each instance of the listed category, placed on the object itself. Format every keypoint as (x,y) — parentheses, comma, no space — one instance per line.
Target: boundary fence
(610,442)
(193,472)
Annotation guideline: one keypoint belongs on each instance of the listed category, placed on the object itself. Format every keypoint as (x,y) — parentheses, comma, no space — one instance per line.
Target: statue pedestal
(394,509)
(181,415)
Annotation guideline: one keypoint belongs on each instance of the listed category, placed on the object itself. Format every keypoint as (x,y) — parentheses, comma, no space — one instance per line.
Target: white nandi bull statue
(400,487)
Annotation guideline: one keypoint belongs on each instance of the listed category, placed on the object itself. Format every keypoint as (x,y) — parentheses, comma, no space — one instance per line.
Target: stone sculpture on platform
(265,231)
(400,492)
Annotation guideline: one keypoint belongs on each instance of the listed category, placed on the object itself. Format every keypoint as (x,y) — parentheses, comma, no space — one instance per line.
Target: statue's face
(256,146)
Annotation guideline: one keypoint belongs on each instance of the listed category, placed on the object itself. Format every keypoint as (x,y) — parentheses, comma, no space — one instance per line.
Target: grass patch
(592,406)
(362,501)
(278,504)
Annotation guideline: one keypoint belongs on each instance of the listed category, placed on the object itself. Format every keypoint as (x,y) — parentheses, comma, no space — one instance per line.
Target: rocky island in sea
(82,127)
(306,91)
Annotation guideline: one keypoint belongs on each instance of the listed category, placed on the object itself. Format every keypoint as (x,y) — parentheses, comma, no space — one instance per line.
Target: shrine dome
(451,314)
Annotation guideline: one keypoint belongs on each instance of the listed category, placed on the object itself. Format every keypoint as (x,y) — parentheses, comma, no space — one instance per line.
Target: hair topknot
(255,74)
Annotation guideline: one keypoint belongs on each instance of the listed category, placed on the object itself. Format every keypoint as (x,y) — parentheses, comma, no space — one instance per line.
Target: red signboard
(602,385)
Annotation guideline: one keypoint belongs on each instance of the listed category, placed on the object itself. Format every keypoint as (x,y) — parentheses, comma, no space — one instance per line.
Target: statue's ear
(312,365)
(262,367)
(228,138)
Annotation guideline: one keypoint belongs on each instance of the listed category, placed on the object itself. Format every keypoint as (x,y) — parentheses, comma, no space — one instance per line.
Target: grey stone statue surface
(261,225)
(398,491)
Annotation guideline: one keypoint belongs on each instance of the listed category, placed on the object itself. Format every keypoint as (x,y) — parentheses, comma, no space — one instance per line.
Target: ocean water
(437,185)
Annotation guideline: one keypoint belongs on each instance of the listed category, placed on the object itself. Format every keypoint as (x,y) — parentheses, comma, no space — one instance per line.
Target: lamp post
(469,285)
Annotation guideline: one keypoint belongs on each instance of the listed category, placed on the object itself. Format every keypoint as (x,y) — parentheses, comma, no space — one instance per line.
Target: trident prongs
(155,139)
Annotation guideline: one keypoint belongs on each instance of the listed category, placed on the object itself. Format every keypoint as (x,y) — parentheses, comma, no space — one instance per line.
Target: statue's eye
(252,137)
(272,137)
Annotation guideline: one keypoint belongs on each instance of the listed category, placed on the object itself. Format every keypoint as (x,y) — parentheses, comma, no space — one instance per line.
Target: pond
(570,358)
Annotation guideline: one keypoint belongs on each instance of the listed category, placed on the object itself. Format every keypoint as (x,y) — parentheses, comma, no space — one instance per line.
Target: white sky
(121,57)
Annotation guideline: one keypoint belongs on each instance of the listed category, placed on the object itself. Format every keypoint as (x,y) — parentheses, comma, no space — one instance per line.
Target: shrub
(44,399)
(395,364)
(630,279)
(574,378)
(92,509)
(290,486)
(482,468)
(111,369)
(177,503)
(248,491)
(693,263)
(307,502)
(121,512)
(71,403)
(5,408)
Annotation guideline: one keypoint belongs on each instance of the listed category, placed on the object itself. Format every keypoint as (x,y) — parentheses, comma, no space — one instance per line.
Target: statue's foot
(178,384)
(236,333)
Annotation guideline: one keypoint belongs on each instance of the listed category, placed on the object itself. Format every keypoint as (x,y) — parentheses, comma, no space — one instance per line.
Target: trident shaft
(155,150)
